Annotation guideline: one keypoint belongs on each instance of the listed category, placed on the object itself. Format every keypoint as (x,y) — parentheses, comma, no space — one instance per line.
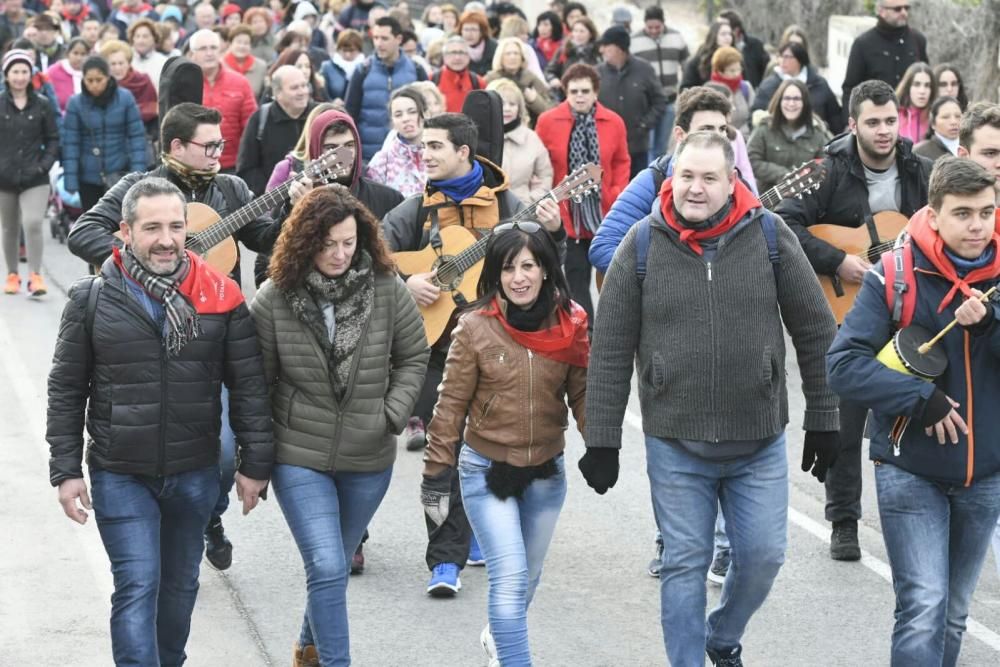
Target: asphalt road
(596,605)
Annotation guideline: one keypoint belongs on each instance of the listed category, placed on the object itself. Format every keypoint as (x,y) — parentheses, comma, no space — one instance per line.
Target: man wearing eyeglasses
(225,90)
(191,138)
(885,51)
(455,80)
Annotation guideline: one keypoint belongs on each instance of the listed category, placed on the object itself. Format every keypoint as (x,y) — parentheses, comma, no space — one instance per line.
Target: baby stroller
(63,210)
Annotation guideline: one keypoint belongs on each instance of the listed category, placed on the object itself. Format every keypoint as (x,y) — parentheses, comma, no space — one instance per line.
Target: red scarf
(566,342)
(135,10)
(79,17)
(232,63)
(932,245)
(209,291)
(744,201)
(732,84)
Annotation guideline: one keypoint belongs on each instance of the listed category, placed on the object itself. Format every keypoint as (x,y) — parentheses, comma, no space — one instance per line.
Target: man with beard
(885,51)
(869,170)
(141,353)
(192,143)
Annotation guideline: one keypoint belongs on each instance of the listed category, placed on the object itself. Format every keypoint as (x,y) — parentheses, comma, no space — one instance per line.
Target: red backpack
(900,282)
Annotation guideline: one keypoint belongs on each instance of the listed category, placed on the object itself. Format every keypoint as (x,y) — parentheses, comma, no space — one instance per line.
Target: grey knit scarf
(182,318)
(584,148)
(352,295)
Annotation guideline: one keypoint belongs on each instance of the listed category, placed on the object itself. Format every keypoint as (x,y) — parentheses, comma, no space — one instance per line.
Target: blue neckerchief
(461,188)
(965,266)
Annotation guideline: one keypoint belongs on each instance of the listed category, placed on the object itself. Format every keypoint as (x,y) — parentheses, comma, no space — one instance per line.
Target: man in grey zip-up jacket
(705,324)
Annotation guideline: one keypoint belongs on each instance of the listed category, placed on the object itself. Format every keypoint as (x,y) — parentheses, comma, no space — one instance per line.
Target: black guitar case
(485,108)
(180,81)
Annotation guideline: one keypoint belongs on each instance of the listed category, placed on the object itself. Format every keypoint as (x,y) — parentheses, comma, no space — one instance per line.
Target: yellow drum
(901,354)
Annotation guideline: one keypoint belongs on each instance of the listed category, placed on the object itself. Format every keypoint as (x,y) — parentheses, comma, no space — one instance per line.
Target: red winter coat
(554,127)
(232,96)
(455,86)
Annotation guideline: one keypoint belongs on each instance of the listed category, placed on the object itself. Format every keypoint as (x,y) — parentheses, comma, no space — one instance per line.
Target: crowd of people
(304,390)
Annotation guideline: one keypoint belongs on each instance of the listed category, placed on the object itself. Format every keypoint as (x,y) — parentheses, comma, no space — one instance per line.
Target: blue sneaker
(475,553)
(444,580)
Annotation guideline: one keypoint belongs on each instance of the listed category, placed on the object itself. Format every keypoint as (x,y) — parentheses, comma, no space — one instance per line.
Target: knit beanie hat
(15,56)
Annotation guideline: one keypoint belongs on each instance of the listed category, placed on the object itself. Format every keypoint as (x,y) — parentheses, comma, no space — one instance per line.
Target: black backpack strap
(642,238)
(436,78)
(770,229)
(265,109)
(92,293)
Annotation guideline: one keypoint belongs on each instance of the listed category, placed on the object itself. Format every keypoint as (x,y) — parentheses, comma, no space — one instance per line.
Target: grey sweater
(707,339)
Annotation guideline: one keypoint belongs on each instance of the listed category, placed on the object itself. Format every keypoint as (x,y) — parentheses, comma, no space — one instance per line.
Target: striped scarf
(182,318)
(584,148)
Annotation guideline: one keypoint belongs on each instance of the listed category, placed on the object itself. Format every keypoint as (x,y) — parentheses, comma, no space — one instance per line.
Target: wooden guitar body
(856,241)
(454,240)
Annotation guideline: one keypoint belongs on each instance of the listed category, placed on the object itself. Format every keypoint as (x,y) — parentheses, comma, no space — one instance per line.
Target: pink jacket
(399,165)
(65,81)
(913,123)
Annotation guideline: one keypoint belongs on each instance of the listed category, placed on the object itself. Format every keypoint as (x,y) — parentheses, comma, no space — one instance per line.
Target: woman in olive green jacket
(791,136)
(345,355)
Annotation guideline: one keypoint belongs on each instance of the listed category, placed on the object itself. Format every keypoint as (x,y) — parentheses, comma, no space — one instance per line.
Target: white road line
(91,548)
(873,563)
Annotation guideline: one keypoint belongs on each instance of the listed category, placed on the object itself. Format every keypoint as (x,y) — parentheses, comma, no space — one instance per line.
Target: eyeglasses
(898,8)
(212,148)
(521,226)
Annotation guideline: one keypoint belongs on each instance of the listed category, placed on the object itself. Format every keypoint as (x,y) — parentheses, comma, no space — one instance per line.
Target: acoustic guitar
(211,236)
(856,241)
(459,260)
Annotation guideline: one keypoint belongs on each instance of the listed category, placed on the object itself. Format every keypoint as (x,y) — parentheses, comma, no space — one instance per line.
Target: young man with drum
(933,441)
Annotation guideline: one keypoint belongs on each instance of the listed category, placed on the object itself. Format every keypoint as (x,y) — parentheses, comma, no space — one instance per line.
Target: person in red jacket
(455,79)
(225,90)
(578,131)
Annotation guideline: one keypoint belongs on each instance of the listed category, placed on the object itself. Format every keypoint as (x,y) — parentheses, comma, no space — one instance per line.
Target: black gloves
(600,468)
(936,408)
(435,496)
(819,452)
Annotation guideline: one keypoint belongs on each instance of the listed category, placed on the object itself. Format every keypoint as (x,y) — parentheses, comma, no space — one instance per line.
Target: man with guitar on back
(871,170)
(192,142)
(468,190)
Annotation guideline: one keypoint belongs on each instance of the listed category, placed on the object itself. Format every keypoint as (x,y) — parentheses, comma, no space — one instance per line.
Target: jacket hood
(318,129)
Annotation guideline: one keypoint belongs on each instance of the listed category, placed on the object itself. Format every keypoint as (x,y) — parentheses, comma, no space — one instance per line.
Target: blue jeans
(687,492)
(152,531)
(936,536)
(514,536)
(659,136)
(327,514)
(227,458)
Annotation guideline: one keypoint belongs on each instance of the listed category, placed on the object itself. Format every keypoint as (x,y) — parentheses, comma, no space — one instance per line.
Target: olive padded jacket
(312,428)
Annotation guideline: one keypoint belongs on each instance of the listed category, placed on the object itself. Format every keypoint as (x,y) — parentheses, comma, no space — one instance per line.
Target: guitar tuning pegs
(577,198)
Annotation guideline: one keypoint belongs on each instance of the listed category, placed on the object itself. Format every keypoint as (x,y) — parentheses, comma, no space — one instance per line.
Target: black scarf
(512,125)
(583,148)
(183,325)
(531,318)
(110,90)
(352,295)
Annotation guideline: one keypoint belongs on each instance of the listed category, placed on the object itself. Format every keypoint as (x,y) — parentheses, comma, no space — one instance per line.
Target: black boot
(218,548)
(844,540)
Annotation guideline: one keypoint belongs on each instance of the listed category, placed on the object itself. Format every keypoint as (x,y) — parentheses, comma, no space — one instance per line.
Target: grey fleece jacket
(707,339)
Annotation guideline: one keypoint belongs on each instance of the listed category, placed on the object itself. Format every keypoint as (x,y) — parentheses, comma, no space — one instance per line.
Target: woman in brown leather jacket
(516,357)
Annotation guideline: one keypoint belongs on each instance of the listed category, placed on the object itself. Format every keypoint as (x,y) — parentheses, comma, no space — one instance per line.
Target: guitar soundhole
(447,283)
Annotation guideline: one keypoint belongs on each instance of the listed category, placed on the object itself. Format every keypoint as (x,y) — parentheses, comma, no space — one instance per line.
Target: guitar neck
(232,223)
(771,198)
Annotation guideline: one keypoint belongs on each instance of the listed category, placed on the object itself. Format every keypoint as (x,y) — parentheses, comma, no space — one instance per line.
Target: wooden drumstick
(926,347)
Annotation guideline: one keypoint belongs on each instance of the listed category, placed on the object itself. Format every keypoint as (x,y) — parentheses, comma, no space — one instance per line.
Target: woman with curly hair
(345,355)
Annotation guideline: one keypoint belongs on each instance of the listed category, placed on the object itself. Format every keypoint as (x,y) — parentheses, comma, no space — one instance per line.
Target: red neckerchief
(137,10)
(209,291)
(232,63)
(566,342)
(79,17)
(733,84)
(932,245)
(744,201)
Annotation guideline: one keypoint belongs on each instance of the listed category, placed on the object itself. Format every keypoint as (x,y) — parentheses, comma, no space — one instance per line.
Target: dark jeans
(640,161)
(152,531)
(578,275)
(227,459)
(449,542)
(843,481)
(936,536)
(90,195)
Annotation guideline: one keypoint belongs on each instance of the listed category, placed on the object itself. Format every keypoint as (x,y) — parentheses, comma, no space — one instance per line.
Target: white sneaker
(486,640)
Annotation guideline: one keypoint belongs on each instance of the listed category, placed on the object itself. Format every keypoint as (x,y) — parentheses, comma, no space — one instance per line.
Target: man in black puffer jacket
(191,140)
(145,349)
(868,171)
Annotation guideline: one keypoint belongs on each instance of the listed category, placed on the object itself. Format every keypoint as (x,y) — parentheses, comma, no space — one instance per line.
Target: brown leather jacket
(515,399)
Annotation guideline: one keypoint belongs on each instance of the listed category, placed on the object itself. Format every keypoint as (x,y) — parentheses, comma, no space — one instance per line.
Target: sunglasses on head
(525,226)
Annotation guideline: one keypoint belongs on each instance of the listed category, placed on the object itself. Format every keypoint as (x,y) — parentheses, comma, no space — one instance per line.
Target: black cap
(616,35)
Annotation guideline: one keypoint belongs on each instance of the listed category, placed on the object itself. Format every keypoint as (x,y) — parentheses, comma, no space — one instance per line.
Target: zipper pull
(895,448)
(709,271)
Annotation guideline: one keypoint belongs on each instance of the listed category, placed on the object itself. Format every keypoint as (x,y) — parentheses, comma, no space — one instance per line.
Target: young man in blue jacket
(934,444)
